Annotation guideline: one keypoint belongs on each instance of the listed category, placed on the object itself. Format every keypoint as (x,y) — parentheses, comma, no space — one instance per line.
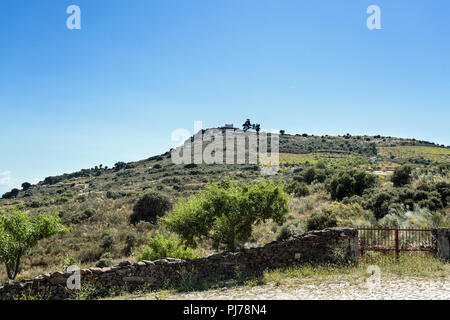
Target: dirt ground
(392,288)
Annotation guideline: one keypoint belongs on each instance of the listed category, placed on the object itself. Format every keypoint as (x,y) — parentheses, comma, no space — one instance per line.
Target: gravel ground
(384,289)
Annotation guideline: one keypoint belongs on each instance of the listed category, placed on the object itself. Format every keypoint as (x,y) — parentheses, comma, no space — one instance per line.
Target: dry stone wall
(329,245)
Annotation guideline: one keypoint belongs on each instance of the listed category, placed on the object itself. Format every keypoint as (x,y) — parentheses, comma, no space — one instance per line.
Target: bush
(442,188)
(122,165)
(346,183)
(299,189)
(291,229)
(12,194)
(143,226)
(90,254)
(131,240)
(161,246)
(115,194)
(26,186)
(150,207)
(401,176)
(105,260)
(320,221)
(67,262)
(312,174)
(351,215)
(381,201)
(82,216)
(107,241)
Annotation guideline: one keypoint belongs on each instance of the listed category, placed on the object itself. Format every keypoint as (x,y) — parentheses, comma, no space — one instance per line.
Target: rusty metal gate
(397,240)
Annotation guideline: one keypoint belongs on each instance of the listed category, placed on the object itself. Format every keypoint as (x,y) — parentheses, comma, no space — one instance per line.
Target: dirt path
(391,289)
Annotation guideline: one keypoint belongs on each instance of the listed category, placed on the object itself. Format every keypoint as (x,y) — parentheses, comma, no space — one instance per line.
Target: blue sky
(137,70)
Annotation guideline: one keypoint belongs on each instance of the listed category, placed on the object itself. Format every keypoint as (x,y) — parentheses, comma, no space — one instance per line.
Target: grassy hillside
(96,203)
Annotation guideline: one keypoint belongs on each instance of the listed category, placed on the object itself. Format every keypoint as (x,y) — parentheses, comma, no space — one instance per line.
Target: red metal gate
(397,240)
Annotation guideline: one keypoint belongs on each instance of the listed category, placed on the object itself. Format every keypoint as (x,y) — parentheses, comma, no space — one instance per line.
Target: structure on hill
(228,126)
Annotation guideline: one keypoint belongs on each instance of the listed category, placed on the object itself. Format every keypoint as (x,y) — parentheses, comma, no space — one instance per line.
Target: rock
(125,263)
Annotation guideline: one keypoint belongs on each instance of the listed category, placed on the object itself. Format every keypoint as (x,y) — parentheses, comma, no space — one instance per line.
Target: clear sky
(137,70)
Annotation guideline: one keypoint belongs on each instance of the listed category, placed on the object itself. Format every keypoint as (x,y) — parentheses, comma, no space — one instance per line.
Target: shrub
(351,215)
(401,176)
(321,220)
(26,186)
(12,194)
(381,201)
(299,189)
(312,174)
(107,241)
(291,229)
(150,207)
(160,246)
(121,165)
(346,183)
(67,262)
(131,240)
(82,216)
(442,188)
(143,226)
(115,194)
(90,254)
(105,260)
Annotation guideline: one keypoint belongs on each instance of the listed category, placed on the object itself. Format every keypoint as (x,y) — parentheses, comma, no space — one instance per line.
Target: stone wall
(329,245)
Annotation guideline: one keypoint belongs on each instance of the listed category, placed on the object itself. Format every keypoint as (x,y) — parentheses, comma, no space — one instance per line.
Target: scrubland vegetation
(153,208)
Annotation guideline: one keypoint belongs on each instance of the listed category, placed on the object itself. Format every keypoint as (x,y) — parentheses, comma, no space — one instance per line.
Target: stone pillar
(443,243)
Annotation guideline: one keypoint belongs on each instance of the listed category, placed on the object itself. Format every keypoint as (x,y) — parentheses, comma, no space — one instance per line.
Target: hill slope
(96,203)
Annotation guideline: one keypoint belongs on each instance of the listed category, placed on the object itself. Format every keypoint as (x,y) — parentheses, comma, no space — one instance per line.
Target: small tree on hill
(11,194)
(151,206)
(401,176)
(19,232)
(350,182)
(227,212)
(26,186)
(247,125)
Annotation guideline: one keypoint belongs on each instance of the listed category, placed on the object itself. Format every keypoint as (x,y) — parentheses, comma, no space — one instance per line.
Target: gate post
(443,243)
(397,247)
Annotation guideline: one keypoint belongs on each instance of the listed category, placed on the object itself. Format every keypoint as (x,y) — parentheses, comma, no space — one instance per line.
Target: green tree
(20,231)
(11,194)
(26,186)
(247,125)
(298,189)
(401,176)
(346,183)
(226,212)
(151,206)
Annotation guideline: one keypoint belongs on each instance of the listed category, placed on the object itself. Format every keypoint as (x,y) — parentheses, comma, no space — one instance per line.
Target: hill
(96,203)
